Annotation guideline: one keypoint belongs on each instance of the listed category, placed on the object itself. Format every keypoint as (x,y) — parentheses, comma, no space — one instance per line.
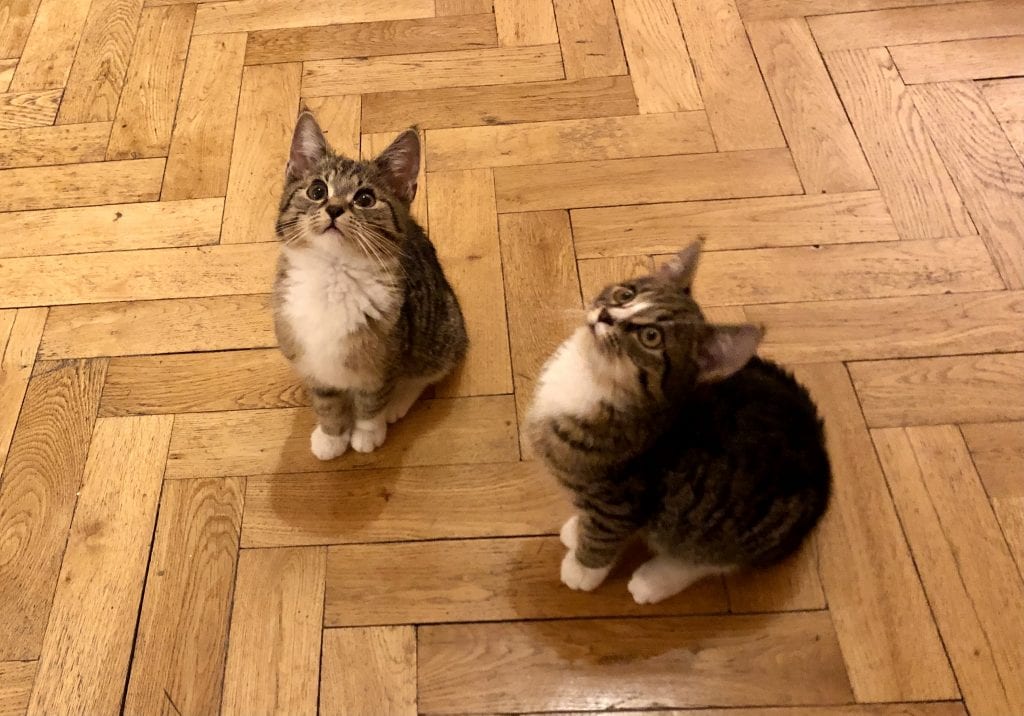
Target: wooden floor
(168,544)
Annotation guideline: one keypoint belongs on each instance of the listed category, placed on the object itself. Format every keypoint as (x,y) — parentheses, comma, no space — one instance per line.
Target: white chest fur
(567,383)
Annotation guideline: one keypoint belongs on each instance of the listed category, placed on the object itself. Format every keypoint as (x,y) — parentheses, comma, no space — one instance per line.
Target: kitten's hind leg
(405,394)
(662,577)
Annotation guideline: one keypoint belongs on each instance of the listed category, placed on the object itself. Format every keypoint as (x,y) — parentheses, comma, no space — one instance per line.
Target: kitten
(664,425)
(362,307)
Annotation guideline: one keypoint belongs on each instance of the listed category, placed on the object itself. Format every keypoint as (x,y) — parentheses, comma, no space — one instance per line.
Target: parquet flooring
(168,544)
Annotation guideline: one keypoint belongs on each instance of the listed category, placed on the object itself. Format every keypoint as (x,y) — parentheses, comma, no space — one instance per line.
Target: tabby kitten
(362,307)
(666,426)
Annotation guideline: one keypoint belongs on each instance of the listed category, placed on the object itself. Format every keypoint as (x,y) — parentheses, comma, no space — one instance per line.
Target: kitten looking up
(362,308)
(663,425)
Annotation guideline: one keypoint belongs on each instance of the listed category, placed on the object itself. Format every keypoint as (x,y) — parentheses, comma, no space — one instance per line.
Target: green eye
(651,337)
(364,198)
(623,295)
(317,191)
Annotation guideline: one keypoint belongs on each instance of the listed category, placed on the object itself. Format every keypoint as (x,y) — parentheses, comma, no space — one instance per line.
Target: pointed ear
(682,267)
(400,164)
(308,146)
(726,349)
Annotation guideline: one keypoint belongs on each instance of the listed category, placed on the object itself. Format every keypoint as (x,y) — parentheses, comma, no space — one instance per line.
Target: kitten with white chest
(362,307)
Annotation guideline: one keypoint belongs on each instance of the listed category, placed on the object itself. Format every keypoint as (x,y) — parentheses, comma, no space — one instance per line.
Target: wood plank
(984,167)
(630,663)
(659,62)
(974,388)
(463,68)
(825,149)
(525,22)
(793,585)
(391,37)
(45,61)
(88,644)
(590,39)
(338,118)
(277,613)
(734,94)
(960,60)
(913,25)
(890,644)
(1005,98)
(368,670)
(199,155)
(733,224)
(354,506)
(922,198)
(465,232)
(139,327)
(7,68)
(463,7)
(254,442)
(543,294)
(16,678)
(200,382)
(20,332)
(970,578)
(136,275)
(111,228)
(38,494)
(14,30)
(374,145)
(68,144)
(267,108)
(253,15)
(145,116)
(596,274)
(646,180)
(81,184)
(29,109)
(903,327)
(935,708)
(498,104)
(766,9)
(183,628)
(97,75)
(570,140)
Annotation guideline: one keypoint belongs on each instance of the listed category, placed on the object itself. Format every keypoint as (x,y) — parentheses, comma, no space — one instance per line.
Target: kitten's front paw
(576,576)
(368,435)
(328,447)
(570,532)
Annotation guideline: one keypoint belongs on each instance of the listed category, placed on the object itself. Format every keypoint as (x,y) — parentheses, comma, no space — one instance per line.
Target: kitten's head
(651,335)
(332,202)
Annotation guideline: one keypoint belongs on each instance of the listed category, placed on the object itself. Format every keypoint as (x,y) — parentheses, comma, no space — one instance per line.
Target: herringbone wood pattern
(168,545)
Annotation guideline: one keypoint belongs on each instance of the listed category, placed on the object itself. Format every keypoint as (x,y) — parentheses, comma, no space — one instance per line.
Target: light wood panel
(525,22)
(972,584)
(45,61)
(825,149)
(253,442)
(645,180)
(369,670)
(763,9)
(462,7)
(7,68)
(18,17)
(28,109)
(923,201)
(16,678)
(200,150)
(582,665)
(890,644)
(80,184)
(732,224)
(267,108)
(183,626)
(793,585)
(390,505)
(338,118)
(103,571)
(252,15)
(974,388)
(589,35)
(70,144)
(37,498)
(960,60)
(464,230)
(936,708)
(145,116)
(1005,98)
(277,612)
(997,450)
(20,332)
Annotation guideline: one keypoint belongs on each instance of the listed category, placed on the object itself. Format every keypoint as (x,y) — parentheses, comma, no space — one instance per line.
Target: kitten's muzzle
(334,211)
(603,316)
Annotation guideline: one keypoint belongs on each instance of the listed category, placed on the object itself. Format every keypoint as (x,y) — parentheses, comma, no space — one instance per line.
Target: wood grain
(277,611)
(199,155)
(960,60)
(7,68)
(254,442)
(664,662)
(28,109)
(765,9)
(462,7)
(181,645)
(45,60)
(793,585)
(20,332)
(16,678)
(41,479)
(253,15)
(525,22)
(922,198)
(338,118)
(1004,98)
(68,144)
(14,30)
(103,571)
(589,35)
(368,670)
(81,184)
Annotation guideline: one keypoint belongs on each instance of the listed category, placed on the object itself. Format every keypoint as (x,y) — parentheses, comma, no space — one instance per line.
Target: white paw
(396,410)
(647,590)
(328,447)
(570,532)
(661,578)
(368,435)
(576,576)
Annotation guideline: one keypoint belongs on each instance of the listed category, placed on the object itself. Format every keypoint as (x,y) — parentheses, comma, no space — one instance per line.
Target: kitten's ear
(682,267)
(400,164)
(308,146)
(726,349)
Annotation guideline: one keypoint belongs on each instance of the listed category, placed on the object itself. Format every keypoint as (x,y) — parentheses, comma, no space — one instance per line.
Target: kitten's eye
(623,295)
(317,191)
(364,198)
(651,336)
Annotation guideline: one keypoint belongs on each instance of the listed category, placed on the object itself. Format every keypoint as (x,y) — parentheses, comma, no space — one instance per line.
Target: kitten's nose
(605,317)
(335,210)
